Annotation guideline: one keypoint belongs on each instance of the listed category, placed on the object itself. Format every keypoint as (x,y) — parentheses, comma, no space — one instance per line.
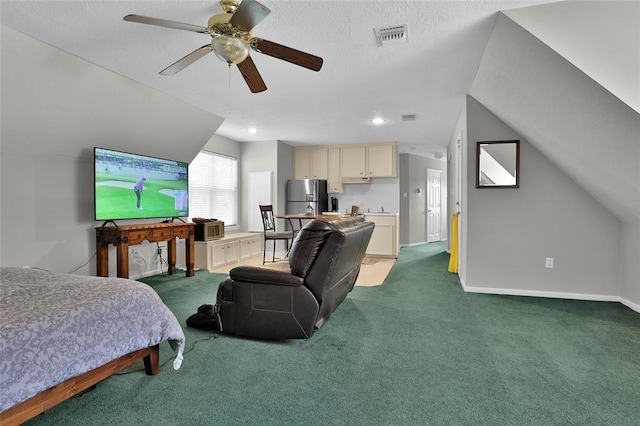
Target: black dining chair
(270,232)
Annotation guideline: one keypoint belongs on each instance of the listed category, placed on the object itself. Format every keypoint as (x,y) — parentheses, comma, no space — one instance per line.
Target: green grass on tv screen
(116,199)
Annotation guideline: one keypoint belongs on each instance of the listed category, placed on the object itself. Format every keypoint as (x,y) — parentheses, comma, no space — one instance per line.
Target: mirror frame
(479,145)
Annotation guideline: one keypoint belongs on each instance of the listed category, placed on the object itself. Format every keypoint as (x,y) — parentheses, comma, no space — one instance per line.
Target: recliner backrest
(326,252)
(306,247)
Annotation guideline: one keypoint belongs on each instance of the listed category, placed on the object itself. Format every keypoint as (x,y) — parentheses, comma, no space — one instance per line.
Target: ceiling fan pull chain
(229,75)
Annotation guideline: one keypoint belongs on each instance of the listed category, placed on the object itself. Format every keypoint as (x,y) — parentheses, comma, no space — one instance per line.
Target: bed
(62,333)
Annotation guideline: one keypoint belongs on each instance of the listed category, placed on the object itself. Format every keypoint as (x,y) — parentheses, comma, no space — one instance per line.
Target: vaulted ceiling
(428,76)
(564,75)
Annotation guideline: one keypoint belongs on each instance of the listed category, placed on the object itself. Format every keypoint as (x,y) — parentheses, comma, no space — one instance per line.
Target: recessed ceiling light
(377,121)
(252,130)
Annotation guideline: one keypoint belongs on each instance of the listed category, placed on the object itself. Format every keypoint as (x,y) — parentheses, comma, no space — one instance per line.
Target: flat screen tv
(133,186)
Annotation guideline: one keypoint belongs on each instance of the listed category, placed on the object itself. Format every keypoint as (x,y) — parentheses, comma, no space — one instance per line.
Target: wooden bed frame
(41,402)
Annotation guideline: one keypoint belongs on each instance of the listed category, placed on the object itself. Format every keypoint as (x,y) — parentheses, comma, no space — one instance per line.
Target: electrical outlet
(548,263)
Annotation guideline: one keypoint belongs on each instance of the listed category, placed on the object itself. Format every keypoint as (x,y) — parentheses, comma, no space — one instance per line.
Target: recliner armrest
(262,275)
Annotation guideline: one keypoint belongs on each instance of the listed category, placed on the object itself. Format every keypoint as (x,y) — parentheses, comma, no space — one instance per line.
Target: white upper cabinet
(370,161)
(310,163)
(340,164)
(354,161)
(382,160)
(334,181)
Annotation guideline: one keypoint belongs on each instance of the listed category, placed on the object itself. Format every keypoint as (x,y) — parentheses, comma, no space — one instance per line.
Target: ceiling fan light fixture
(229,6)
(231,50)
(231,41)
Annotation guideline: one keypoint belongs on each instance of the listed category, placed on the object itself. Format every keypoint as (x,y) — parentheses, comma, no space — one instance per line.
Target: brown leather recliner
(271,302)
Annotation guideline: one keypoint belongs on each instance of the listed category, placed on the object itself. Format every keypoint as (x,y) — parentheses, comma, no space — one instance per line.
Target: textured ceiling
(428,77)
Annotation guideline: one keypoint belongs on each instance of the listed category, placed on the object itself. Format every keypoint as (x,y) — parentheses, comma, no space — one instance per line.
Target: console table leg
(102,259)
(190,255)
(122,252)
(171,248)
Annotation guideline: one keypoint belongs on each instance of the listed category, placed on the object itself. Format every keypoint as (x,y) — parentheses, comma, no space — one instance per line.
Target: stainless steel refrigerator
(302,193)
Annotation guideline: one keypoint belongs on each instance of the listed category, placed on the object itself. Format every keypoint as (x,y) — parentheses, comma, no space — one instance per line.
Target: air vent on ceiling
(408,117)
(393,35)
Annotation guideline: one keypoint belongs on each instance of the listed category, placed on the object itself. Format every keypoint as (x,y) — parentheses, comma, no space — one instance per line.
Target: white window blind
(213,187)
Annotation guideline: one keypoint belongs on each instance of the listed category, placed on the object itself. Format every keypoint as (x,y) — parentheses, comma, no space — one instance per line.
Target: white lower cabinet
(385,238)
(250,246)
(232,248)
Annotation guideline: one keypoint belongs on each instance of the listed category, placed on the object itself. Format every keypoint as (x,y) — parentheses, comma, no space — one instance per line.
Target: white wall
(381,192)
(575,122)
(630,246)
(259,156)
(285,172)
(510,232)
(544,75)
(457,175)
(55,108)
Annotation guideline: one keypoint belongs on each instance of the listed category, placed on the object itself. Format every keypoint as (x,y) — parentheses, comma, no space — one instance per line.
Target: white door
(433,205)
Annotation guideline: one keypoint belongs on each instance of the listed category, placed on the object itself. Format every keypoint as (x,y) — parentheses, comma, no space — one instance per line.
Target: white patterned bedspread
(56,326)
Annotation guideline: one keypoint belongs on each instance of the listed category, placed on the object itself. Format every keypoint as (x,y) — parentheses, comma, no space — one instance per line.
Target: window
(213,187)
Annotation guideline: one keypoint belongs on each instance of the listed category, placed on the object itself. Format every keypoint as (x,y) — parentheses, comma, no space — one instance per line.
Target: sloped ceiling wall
(56,104)
(575,122)
(607,49)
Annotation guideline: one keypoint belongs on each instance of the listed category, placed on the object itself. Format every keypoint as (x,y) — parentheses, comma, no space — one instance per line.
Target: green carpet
(416,350)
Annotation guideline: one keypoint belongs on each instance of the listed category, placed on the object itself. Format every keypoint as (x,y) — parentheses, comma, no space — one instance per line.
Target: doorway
(434,205)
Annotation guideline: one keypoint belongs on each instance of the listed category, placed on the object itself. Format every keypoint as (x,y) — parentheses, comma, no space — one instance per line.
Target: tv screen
(133,186)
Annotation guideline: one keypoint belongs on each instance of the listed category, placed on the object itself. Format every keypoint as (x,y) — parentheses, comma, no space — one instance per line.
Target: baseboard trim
(422,243)
(145,274)
(629,304)
(552,295)
(151,273)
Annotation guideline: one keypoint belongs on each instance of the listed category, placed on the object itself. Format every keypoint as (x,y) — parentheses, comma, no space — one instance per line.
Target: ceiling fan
(231,41)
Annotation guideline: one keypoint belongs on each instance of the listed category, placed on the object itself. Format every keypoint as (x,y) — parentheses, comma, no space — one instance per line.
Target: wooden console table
(124,236)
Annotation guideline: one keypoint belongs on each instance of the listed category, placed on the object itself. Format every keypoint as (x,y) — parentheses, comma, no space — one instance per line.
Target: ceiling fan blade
(165,23)
(186,61)
(249,14)
(252,76)
(288,54)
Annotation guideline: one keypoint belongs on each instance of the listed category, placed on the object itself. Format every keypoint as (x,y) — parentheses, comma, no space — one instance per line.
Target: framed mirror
(498,164)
